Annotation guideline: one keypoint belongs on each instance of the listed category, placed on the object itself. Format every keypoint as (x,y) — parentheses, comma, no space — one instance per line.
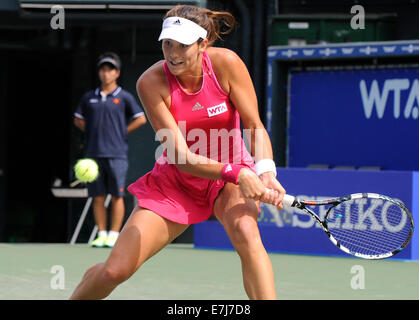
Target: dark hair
(112,55)
(212,21)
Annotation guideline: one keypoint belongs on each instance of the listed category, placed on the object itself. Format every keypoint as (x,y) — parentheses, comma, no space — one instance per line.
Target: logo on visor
(177,22)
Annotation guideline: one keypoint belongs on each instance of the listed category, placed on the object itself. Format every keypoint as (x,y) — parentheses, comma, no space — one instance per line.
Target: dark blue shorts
(111,179)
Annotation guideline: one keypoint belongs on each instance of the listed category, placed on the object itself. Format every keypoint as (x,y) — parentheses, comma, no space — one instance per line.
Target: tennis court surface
(180,272)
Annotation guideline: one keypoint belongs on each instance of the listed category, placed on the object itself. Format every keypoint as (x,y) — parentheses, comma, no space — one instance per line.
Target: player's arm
(237,82)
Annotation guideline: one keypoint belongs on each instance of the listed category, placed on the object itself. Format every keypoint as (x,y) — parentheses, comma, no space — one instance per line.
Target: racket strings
(369,248)
(369,226)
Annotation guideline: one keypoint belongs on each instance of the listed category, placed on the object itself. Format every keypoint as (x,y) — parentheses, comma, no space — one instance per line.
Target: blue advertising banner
(292,231)
(354,118)
(338,52)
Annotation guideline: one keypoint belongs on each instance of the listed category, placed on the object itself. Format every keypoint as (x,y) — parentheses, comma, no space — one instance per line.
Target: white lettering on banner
(389,226)
(413,97)
(275,213)
(306,222)
(301,219)
(322,210)
(347,225)
(365,219)
(375,98)
(369,213)
(216,110)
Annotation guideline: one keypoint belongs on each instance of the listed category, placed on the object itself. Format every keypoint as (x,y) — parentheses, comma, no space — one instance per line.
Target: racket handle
(288,200)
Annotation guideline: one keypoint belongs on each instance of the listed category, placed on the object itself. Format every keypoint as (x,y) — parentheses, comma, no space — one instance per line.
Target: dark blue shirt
(106,121)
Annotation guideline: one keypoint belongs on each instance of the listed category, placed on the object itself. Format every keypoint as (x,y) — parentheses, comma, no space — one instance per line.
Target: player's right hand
(253,188)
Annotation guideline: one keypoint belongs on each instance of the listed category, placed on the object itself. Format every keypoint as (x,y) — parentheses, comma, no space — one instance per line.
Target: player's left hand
(269,180)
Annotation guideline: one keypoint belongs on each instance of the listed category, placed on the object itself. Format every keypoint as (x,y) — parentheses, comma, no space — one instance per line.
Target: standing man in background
(107,114)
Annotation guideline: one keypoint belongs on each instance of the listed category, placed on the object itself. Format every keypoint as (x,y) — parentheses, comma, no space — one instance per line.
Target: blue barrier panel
(343,52)
(292,231)
(369,116)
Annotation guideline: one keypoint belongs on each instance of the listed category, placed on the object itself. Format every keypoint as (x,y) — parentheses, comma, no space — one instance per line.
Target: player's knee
(115,275)
(245,234)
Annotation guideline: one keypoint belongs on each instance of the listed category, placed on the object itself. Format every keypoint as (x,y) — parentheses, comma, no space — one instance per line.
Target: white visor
(182,30)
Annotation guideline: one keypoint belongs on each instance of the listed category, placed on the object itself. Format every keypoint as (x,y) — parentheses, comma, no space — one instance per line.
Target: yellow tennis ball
(86,170)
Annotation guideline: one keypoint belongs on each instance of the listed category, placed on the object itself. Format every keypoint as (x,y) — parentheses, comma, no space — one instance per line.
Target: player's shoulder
(224,61)
(153,76)
(222,56)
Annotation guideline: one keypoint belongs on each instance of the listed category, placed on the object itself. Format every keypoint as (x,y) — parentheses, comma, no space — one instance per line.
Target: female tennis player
(197,91)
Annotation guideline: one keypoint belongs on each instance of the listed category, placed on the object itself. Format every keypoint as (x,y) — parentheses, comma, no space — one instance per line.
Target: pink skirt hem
(177,196)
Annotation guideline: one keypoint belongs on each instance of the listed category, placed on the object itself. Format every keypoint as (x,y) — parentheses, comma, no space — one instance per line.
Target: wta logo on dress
(218,109)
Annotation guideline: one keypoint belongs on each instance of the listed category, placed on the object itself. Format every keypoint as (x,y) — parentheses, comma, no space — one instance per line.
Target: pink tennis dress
(211,127)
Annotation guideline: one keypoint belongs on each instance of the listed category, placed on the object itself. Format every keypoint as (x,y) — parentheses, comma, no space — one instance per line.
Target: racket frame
(333,202)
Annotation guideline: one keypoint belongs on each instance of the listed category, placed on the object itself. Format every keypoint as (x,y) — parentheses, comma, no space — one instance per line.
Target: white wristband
(265,165)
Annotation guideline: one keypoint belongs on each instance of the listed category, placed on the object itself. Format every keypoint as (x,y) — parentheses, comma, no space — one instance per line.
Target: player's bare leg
(144,234)
(239,218)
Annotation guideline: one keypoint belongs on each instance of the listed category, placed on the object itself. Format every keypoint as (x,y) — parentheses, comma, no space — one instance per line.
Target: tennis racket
(365,225)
